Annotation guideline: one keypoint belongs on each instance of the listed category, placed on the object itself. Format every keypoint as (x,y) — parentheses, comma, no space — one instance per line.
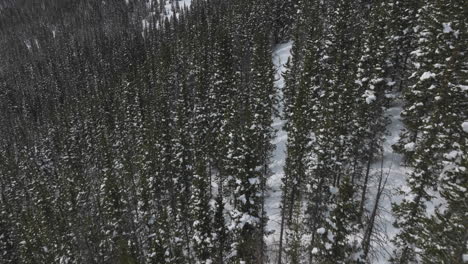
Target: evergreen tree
(434,134)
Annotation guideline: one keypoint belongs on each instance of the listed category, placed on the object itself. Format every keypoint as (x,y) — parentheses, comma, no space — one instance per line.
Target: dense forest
(141,131)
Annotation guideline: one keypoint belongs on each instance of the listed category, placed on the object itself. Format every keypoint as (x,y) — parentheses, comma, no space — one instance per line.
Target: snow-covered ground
(273,200)
(394,168)
(181,3)
(391,166)
(168,11)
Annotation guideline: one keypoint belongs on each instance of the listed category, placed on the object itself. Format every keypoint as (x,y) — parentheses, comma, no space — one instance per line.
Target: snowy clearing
(273,201)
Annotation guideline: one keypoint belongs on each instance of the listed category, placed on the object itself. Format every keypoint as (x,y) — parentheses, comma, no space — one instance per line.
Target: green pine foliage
(434,139)
(141,131)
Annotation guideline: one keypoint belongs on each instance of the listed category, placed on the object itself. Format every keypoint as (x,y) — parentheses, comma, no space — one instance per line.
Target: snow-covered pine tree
(283,15)
(435,112)
(334,123)
(263,102)
(370,123)
(300,76)
(338,233)
(297,166)
(402,39)
(202,213)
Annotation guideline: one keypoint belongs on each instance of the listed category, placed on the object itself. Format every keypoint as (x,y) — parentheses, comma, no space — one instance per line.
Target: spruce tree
(434,135)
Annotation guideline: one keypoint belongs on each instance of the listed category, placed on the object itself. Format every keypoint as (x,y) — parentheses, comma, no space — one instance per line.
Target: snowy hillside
(233,132)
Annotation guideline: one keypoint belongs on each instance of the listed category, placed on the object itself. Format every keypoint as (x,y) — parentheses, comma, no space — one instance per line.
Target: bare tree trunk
(404,259)
(209,174)
(187,243)
(291,204)
(263,186)
(354,169)
(371,224)
(366,180)
(283,217)
(315,218)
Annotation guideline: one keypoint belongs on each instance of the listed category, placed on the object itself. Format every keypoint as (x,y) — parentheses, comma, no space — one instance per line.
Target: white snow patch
(253,181)
(242,199)
(248,219)
(417,53)
(321,231)
(453,155)
(392,166)
(465,258)
(28,44)
(447,27)
(370,96)
(426,76)
(465,126)
(145,24)
(410,146)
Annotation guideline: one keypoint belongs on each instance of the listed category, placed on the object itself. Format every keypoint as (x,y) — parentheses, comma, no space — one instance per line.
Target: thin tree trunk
(370,229)
(209,173)
(283,217)
(366,180)
(417,201)
(315,221)
(187,238)
(291,205)
(354,169)
(262,243)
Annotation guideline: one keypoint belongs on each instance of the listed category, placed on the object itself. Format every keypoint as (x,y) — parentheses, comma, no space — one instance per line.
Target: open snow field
(273,200)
